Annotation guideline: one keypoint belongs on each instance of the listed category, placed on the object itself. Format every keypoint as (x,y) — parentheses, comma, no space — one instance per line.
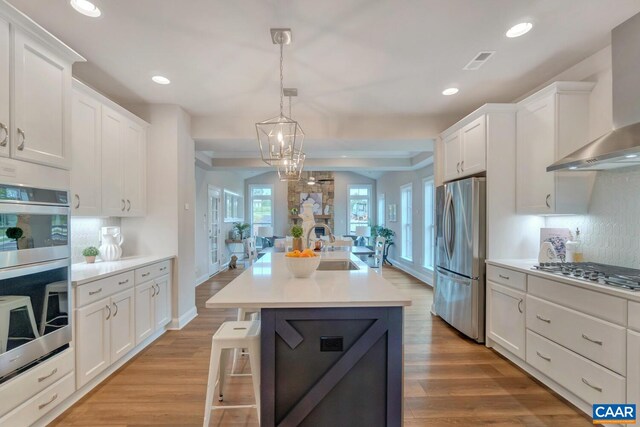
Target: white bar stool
(9,303)
(243,314)
(230,336)
(55,289)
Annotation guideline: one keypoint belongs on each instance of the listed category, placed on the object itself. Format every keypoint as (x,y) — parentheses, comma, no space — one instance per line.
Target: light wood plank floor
(449,380)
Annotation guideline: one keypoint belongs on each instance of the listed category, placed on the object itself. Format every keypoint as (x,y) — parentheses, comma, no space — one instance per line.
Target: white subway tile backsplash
(86,232)
(611,230)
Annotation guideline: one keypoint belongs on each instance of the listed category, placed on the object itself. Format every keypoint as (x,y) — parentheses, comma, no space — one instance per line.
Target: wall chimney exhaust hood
(620,147)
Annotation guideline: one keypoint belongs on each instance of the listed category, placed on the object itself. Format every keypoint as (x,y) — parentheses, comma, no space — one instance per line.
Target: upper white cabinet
(5,88)
(552,123)
(108,176)
(465,150)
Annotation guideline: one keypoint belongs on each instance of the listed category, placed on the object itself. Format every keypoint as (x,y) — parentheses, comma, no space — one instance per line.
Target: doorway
(215,229)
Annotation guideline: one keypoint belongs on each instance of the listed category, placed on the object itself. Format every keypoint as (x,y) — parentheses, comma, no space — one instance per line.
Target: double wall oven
(35,303)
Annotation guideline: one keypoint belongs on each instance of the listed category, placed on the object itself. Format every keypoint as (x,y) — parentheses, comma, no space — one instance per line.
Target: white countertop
(268,284)
(526,266)
(82,273)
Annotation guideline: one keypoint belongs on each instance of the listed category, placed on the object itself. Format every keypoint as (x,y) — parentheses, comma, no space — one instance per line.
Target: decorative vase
(111,250)
(90,259)
(297,244)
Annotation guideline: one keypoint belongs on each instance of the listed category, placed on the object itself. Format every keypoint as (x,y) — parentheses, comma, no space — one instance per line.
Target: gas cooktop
(610,275)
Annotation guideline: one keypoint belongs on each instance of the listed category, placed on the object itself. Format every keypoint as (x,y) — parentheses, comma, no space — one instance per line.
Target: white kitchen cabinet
(552,123)
(42,103)
(465,150)
(153,306)
(5,87)
(86,166)
(633,367)
(452,153)
(506,318)
(123,337)
(134,161)
(162,301)
(92,340)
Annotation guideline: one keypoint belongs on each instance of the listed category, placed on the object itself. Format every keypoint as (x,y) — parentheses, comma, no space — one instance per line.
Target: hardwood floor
(449,380)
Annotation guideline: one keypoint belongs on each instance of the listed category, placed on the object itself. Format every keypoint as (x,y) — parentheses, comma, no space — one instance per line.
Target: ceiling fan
(312,180)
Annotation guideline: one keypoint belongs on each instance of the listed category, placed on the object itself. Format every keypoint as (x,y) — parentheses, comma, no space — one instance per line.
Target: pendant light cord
(281,79)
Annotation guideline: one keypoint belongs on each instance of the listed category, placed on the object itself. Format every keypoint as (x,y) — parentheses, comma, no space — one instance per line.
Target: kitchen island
(331,345)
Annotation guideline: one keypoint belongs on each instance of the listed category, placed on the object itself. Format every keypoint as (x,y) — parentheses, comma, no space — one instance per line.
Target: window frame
(252,198)
(406,213)
(368,197)
(428,226)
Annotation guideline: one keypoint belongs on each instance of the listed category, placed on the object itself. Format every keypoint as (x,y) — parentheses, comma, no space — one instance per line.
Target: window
(381,210)
(233,207)
(406,206)
(427,185)
(261,207)
(359,206)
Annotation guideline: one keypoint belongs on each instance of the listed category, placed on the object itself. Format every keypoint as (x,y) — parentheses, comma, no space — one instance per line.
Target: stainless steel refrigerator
(460,253)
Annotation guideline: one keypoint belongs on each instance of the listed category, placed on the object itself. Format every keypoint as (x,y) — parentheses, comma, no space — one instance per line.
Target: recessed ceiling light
(450,91)
(161,80)
(86,8)
(631,156)
(519,29)
(573,168)
(343,156)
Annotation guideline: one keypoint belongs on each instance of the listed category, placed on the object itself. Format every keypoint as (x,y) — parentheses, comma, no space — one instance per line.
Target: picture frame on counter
(233,206)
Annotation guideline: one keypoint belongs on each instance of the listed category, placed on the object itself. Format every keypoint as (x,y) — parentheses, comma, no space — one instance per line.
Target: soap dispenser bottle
(574,249)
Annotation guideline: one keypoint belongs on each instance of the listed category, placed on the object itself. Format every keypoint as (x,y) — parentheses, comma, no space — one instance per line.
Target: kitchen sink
(331,265)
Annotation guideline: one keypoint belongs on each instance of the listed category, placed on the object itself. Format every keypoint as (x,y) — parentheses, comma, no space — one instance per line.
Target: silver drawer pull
(548,359)
(163,268)
(108,315)
(115,307)
(44,405)
(591,339)
(154,290)
(123,282)
(520,305)
(592,386)
(4,128)
(95,292)
(146,274)
(55,370)
(543,319)
(24,139)
(503,277)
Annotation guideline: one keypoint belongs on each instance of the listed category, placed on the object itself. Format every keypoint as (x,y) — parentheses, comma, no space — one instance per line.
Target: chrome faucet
(332,238)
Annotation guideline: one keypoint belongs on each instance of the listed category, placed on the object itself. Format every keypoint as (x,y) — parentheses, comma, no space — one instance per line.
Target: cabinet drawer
(94,291)
(634,315)
(33,381)
(595,339)
(152,271)
(504,276)
(589,381)
(36,407)
(597,304)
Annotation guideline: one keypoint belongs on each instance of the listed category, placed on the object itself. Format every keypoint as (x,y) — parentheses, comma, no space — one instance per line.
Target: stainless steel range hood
(620,147)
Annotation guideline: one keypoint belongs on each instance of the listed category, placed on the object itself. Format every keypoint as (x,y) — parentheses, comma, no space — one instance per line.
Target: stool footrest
(217,407)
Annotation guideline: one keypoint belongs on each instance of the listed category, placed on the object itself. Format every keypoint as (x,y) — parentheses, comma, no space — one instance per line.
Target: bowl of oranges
(302,264)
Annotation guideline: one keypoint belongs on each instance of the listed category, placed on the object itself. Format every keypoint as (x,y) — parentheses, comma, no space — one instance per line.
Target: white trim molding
(182,321)
(422,274)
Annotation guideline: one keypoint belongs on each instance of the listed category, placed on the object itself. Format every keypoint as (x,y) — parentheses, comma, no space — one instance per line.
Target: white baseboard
(80,393)
(200,280)
(420,275)
(182,321)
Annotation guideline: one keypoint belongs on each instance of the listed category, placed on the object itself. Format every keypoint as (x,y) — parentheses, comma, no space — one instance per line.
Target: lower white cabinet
(153,309)
(633,367)
(506,318)
(105,333)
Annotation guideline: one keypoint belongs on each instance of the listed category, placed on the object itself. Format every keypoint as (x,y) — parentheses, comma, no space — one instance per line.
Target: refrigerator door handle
(455,277)
(446,226)
(452,226)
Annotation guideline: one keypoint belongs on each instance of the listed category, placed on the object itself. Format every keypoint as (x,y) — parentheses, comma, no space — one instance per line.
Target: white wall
(389,184)
(223,180)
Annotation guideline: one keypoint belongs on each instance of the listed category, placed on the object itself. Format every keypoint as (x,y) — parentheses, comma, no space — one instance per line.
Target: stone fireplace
(324,185)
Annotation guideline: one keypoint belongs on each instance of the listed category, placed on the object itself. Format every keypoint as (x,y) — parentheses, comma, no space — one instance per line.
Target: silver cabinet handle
(503,277)
(128,205)
(591,385)
(108,315)
(123,205)
(548,359)
(591,339)
(543,319)
(458,167)
(154,291)
(78,200)
(115,306)
(44,405)
(24,139)
(163,268)
(146,274)
(95,292)
(4,141)
(546,201)
(462,166)
(48,376)
(520,306)
(158,286)
(124,282)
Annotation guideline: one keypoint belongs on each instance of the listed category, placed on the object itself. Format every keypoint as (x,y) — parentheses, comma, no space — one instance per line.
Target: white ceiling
(366,70)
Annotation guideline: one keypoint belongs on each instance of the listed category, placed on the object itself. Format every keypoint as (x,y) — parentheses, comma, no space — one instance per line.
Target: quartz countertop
(82,273)
(268,284)
(526,266)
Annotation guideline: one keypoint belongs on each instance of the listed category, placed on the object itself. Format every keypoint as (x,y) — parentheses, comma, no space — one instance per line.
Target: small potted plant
(90,254)
(296,232)
(241,229)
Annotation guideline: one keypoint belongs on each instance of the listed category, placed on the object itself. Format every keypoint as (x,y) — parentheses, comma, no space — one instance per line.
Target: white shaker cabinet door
(113,200)
(5,80)
(474,147)
(42,104)
(134,163)
(162,301)
(506,318)
(123,338)
(145,310)
(452,156)
(92,340)
(633,368)
(86,179)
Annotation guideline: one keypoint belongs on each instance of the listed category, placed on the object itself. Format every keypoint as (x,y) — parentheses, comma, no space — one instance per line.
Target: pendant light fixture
(281,138)
(291,169)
